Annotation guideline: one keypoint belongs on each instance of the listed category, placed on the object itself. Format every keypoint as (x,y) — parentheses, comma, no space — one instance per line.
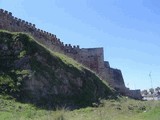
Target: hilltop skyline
(129,37)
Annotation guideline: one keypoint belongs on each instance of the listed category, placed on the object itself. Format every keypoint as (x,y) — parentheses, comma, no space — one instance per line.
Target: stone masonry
(92,58)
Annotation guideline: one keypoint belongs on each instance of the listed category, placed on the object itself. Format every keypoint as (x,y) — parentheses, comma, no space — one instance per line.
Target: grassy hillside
(120,109)
(32,73)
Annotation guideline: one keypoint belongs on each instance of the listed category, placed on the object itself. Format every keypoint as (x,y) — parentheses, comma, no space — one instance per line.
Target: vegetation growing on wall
(24,61)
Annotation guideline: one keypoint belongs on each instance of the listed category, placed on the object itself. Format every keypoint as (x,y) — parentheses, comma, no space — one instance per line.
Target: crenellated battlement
(5,12)
(69,46)
(14,24)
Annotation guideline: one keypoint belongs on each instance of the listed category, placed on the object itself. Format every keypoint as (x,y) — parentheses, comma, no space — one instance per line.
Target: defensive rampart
(92,58)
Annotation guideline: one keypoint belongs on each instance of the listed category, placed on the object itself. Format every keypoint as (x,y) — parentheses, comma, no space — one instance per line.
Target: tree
(157,89)
(151,90)
(144,92)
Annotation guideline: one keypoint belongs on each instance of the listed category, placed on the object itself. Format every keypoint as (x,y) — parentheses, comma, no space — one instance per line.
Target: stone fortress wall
(92,58)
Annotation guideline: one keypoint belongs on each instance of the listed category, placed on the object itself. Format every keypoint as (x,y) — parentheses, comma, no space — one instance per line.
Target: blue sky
(127,29)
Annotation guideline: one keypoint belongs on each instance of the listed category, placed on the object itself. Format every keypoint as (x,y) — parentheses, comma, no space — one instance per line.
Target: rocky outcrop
(32,73)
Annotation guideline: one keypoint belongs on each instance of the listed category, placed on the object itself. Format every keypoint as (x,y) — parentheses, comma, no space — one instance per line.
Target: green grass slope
(120,109)
(34,74)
